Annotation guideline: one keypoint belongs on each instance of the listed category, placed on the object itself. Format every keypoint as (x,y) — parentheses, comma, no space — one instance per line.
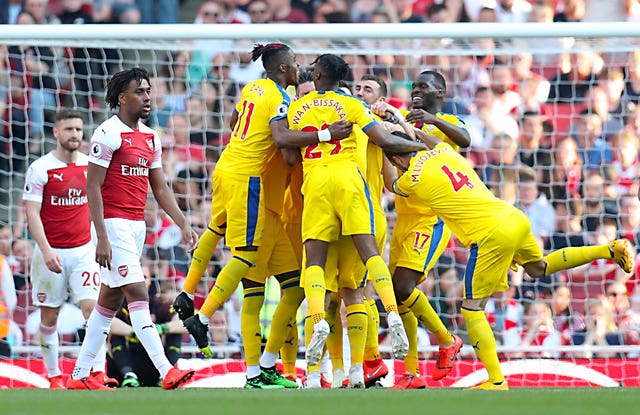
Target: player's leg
(244,204)
(357,332)
(315,292)
(49,291)
(334,340)
(252,302)
(381,278)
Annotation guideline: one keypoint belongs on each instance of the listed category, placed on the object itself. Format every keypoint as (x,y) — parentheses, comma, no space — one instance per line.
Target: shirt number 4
(458,180)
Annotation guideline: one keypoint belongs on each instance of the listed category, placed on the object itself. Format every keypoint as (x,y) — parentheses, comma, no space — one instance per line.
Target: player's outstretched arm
(389,142)
(36,229)
(95,180)
(167,201)
(457,134)
(286,138)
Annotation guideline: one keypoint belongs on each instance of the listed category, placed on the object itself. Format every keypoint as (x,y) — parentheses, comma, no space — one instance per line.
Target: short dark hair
(305,76)
(377,80)
(400,134)
(120,81)
(437,76)
(67,113)
(334,67)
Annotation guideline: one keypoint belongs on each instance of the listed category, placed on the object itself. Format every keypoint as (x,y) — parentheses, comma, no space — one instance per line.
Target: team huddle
(297,195)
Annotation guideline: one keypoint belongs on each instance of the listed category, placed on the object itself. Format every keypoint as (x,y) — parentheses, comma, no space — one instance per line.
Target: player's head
(68,129)
(428,91)
(305,84)
(328,71)
(344,87)
(278,61)
(129,90)
(400,160)
(371,89)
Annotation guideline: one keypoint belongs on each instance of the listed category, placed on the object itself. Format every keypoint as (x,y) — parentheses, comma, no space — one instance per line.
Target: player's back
(316,111)
(262,102)
(444,180)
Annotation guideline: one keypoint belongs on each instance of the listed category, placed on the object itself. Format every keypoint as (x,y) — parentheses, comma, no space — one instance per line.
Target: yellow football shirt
(445,181)
(261,102)
(274,180)
(319,109)
(404,205)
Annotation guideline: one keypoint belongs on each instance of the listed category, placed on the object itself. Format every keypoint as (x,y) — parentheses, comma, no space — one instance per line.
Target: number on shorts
(421,240)
(89,280)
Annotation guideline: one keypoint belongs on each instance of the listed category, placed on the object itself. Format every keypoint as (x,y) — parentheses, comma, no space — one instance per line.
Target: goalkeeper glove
(162,328)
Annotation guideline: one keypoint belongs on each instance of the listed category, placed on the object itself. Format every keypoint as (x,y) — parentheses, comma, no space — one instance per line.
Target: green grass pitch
(154,401)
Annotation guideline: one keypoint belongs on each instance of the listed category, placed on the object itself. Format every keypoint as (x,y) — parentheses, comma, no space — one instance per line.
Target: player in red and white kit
(125,157)
(55,196)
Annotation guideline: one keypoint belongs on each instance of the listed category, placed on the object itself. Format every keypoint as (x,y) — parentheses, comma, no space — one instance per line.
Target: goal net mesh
(554,125)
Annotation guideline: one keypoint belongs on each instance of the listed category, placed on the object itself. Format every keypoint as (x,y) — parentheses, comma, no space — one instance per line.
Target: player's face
(136,99)
(304,88)
(68,133)
(424,92)
(291,69)
(368,91)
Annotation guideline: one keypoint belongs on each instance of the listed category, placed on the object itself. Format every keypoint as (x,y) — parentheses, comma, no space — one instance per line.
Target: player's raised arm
(389,142)
(286,138)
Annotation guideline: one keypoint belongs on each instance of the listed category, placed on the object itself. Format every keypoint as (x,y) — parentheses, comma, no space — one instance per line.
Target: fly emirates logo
(141,170)
(74,197)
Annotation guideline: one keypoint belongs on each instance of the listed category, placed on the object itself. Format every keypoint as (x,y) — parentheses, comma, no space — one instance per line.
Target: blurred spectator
(542,11)
(533,151)
(259,11)
(505,100)
(626,147)
(176,88)
(487,15)
(116,11)
(20,262)
(221,335)
(535,205)
(524,77)
(568,230)
(612,81)
(483,123)
(570,11)
(512,11)
(466,76)
(627,320)
(572,84)
(597,101)
(566,320)
(501,154)
(444,290)
(594,150)
(632,86)
(39,9)
(231,14)
(404,10)
(200,124)
(158,11)
(361,11)
(188,188)
(6,239)
(538,330)
(629,219)
(457,12)
(8,302)
(602,270)
(284,12)
(600,329)
(598,206)
(603,11)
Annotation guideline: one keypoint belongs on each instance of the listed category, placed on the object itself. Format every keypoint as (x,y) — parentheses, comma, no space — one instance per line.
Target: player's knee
(292,296)
(536,269)
(402,290)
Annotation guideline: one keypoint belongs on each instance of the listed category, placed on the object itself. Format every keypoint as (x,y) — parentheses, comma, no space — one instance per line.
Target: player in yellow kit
(258,124)
(336,197)
(419,237)
(496,233)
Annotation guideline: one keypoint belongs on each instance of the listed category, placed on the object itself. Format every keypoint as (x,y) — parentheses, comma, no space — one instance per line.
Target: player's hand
(391,127)
(420,115)
(382,108)
(340,130)
(103,252)
(52,261)
(189,238)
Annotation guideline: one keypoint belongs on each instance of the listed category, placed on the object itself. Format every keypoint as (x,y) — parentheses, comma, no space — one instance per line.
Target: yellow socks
(314,290)
(483,342)
(227,282)
(283,318)
(201,258)
(334,341)
(250,324)
(571,257)
(357,331)
(289,350)
(410,323)
(381,278)
(419,305)
(371,350)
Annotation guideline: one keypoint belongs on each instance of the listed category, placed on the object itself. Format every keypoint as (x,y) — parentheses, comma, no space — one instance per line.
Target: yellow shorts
(490,259)
(417,242)
(237,209)
(276,255)
(336,202)
(294,233)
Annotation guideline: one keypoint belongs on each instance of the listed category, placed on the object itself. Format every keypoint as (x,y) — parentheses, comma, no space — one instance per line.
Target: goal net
(554,118)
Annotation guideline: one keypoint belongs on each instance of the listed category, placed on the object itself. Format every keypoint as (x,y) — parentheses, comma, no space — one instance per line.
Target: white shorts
(127,240)
(80,277)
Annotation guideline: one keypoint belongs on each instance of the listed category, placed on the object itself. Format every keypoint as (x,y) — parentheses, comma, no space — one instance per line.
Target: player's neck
(65,155)
(129,122)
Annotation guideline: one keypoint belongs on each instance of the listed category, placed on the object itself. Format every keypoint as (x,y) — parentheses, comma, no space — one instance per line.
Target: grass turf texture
(155,401)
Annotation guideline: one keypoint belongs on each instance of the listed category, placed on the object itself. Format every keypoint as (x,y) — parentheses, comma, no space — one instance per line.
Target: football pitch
(155,401)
